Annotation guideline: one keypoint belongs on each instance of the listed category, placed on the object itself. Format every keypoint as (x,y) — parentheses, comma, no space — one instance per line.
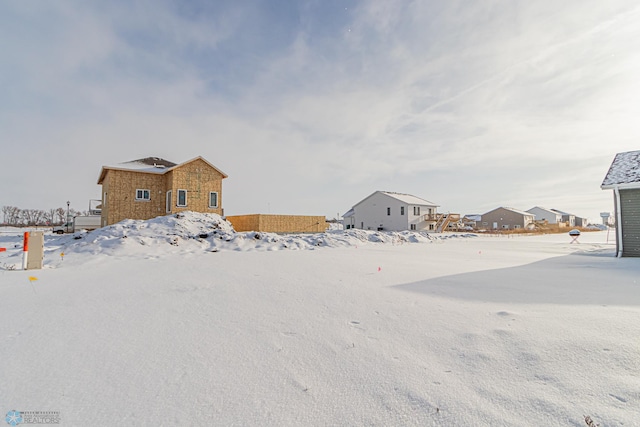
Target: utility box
(35,254)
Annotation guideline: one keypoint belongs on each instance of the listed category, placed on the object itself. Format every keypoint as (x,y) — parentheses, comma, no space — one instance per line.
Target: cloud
(326,98)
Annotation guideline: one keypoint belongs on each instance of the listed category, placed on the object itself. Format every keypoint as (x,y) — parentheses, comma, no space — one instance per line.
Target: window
(182,198)
(388,211)
(213,199)
(168,202)
(401,210)
(143,194)
(413,226)
(416,210)
(432,226)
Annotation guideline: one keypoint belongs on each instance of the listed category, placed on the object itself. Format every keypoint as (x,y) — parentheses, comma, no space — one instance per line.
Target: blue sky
(310,106)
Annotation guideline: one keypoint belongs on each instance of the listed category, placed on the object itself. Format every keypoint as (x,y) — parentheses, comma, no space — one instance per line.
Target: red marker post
(25,250)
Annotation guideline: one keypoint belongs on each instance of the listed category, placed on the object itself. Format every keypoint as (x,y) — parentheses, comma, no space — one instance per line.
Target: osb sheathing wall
(278,223)
(120,187)
(197,177)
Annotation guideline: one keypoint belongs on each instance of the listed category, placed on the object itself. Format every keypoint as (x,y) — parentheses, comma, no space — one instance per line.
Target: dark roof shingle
(625,169)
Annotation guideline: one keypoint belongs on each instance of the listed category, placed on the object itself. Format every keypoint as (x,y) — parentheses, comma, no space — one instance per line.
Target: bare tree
(49,216)
(29,216)
(5,214)
(14,214)
(60,215)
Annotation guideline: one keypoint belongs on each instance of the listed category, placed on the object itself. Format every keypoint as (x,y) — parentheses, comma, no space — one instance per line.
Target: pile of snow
(192,232)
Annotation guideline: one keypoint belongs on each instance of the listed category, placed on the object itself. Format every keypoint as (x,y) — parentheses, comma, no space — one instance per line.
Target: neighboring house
(385,210)
(506,218)
(151,187)
(623,178)
(581,222)
(543,214)
(471,221)
(473,218)
(567,218)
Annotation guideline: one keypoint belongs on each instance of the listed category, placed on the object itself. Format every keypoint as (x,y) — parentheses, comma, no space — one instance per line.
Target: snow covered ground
(181,321)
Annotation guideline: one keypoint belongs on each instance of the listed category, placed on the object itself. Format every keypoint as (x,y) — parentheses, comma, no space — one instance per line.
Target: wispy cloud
(347,97)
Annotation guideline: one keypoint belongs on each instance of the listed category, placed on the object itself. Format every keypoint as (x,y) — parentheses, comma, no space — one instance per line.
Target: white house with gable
(388,211)
(549,215)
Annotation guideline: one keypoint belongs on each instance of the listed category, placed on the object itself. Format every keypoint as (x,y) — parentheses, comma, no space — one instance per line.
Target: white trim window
(182,198)
(213,199)
(143,194)
(416,210)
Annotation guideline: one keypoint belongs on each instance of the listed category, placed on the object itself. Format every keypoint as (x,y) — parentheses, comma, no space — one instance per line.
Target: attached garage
(624,179)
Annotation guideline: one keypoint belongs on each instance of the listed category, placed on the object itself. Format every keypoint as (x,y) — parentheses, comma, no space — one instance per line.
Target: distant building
(385,210)
(567,218)
(623,178)
(543,214)
(581,222)
(151,187)
(471,220)
(504,218)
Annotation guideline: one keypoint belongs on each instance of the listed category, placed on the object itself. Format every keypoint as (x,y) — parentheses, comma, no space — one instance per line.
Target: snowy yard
(184,322)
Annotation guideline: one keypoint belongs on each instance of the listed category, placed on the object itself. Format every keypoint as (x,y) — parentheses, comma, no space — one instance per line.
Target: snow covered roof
(405,198)
(625,169)
(155,165)
(148,164)
(408,198)
(518,211)
(551,211)
(349,213)
(561,212)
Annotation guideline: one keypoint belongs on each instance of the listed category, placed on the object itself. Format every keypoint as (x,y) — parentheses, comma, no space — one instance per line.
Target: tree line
(14,216)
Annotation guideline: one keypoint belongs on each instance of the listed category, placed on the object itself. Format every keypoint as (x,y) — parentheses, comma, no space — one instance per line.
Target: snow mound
(192,232)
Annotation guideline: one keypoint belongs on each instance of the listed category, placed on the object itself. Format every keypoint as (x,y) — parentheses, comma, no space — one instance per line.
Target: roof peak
(154,161)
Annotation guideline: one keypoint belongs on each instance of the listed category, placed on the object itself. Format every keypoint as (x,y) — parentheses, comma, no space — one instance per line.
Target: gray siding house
(623,178)
(506,218)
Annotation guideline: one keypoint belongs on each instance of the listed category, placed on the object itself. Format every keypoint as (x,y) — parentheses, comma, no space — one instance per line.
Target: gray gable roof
(625,169)
(153,161)
(551,211)
(519,212)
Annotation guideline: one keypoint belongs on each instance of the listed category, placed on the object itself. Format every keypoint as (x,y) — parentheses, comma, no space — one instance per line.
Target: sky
(310,106)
